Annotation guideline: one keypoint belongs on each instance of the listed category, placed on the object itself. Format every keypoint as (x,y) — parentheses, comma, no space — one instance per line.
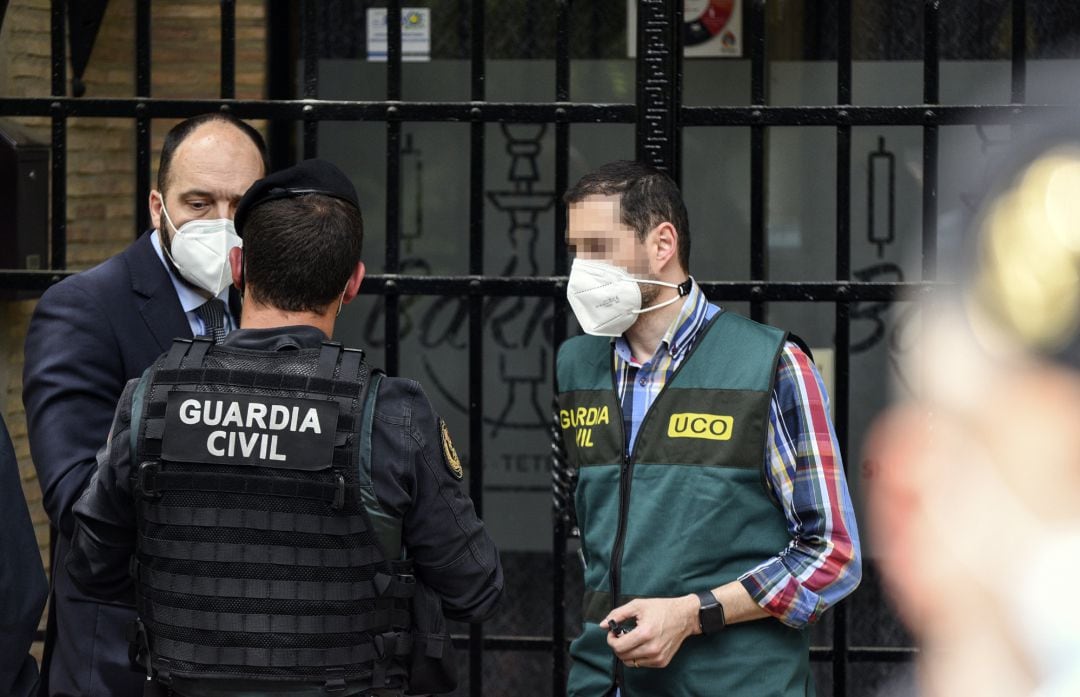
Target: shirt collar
(190,299)
(681,332)
(684,328)
(300,336)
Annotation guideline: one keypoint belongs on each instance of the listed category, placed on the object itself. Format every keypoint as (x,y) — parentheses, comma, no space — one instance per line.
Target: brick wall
(101,152)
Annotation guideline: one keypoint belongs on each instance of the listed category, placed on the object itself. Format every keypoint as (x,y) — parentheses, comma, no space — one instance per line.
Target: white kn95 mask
(606,299)
(200,251)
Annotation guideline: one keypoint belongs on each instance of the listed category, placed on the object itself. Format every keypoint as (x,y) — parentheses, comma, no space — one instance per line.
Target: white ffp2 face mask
(606,299)
(200,251)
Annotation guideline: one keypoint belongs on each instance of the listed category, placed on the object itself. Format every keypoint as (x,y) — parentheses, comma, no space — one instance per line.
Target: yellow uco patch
(707,426)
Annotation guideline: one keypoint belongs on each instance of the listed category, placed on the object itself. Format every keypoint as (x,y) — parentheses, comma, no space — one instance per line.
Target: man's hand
(662,624)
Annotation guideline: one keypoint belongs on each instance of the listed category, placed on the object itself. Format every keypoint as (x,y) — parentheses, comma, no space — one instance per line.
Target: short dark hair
(179,133)
(647,197)
(299,252)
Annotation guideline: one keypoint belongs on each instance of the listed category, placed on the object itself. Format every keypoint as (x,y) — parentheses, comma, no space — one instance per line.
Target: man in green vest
(715,518)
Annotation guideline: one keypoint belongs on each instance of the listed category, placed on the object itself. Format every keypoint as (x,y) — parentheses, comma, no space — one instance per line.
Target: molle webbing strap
(176,354)
(253,623)
(199,346)
(274,658)
(255,520)
(314,591)
(151,482)
(241,378)
(350,364)
(328,359)
(194,350)
(224,553)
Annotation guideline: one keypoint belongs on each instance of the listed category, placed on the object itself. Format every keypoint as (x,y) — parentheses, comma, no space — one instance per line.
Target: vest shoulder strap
(137,399)
(192,349)
(733,353)
(584,363)
(387,527)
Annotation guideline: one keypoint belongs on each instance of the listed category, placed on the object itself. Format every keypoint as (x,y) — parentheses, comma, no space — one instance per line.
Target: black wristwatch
(711,614)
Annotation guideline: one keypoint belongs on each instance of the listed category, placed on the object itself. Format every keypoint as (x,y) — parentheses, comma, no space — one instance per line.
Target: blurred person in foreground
(976,510)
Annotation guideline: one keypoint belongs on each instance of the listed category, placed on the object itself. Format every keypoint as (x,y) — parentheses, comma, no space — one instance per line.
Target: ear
(236,265)
(155,209)
(664,246)
(353,286)
(893,457)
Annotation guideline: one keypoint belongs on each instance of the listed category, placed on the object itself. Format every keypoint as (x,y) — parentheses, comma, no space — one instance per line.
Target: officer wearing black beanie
(288,519)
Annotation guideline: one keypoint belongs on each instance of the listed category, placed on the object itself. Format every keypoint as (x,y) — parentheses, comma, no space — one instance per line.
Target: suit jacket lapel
(160,307)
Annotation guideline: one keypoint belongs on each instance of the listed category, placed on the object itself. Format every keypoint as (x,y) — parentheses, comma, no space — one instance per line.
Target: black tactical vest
(256,558)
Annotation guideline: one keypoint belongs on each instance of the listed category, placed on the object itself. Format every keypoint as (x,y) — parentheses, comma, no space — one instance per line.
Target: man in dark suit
(96,330)
(22,580)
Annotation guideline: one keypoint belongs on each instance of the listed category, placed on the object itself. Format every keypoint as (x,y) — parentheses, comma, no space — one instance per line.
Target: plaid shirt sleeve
(822,564)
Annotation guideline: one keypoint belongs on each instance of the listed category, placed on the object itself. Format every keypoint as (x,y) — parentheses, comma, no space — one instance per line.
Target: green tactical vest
(688,510)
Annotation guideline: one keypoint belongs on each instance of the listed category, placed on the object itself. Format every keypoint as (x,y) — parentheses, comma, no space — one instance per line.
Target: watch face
(712,618)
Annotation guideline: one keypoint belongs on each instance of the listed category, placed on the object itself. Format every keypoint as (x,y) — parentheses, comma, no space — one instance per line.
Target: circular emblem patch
(453,462)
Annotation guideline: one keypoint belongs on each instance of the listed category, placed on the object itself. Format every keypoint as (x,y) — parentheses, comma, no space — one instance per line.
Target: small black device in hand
(616,628)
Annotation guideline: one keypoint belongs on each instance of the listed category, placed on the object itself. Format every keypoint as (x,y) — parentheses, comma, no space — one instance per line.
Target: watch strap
(711,615)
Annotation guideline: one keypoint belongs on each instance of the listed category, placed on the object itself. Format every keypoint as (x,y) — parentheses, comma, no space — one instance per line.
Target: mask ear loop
(341,300)
(166,244)
(683,290)
(168,218)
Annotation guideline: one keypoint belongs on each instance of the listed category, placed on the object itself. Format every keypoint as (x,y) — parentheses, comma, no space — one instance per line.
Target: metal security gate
(659,116)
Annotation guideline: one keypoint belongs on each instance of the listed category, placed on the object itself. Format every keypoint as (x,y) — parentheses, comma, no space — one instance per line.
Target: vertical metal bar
(659,79)
(757,154)
(228,49)
(477,93)
(842,314)
(142,123)
(1019,51)
(558,334)
(930,138)
(280,79)
(597,17)
(393,50)
(310,33)
(58,23)
(393,185)
(281,55)
(463,27)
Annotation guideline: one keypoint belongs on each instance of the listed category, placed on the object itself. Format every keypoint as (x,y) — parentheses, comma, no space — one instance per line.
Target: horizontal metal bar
(553,286)
(848,115)
(868,654)
(859,654)
(538,112)
(325,110)
(499,642)
(856,654)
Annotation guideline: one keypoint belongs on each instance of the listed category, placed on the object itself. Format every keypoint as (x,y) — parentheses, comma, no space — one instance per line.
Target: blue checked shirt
(822,562)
